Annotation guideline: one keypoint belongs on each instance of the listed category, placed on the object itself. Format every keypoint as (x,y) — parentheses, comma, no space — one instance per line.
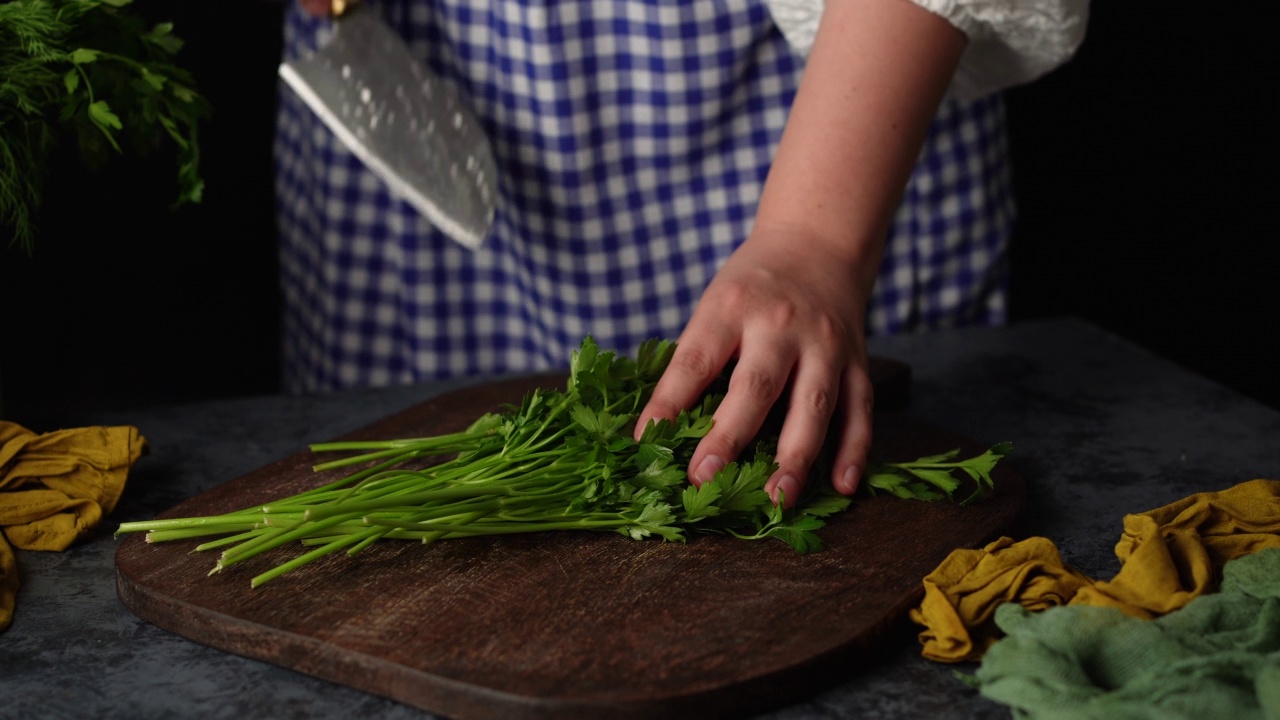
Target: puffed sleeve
(1011,42)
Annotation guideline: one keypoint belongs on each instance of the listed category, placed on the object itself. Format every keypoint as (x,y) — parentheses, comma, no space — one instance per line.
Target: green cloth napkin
(1217,657)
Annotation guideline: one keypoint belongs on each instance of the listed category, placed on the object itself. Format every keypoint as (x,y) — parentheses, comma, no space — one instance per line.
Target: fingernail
(708,468)
(849,481)
(789,488)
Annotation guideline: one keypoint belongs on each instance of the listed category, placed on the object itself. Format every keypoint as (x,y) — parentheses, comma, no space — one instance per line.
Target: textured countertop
(1101,428)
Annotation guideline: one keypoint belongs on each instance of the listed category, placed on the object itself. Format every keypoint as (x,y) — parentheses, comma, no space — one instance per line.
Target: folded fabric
(1174,554)
(54,488)
(962,594)
(1169,556)
(1216,657)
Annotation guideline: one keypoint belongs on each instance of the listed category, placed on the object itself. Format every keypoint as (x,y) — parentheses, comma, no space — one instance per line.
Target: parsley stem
(561,460)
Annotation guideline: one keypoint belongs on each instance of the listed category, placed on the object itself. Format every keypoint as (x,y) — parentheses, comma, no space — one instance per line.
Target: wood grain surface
(573,624)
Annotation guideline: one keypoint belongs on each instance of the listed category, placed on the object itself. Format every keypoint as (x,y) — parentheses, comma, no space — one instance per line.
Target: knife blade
(411,127)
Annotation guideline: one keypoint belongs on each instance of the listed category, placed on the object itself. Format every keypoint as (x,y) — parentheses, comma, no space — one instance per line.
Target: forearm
(875,76)
(782,304)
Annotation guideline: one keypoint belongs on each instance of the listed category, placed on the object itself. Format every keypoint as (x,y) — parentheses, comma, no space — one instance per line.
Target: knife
(409,126)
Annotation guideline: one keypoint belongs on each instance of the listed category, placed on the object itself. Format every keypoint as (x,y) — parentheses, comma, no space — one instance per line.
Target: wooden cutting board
(573,624)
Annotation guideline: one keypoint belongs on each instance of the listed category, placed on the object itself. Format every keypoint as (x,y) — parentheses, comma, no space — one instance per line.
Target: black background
(1142,168)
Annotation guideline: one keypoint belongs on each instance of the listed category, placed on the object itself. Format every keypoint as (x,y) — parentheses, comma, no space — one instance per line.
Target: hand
(789,304)
(792,315)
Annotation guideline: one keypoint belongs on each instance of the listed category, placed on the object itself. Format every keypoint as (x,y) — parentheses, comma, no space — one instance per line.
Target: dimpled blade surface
(409,126)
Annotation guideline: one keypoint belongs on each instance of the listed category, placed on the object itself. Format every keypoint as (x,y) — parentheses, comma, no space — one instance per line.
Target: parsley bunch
(91,70)
(561,460)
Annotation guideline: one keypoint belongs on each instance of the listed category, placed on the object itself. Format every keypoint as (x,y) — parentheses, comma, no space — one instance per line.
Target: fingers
(855,430)
(817,404)
(822,395)
(790,324)
(755,385)
(694,365)
(814,395)
(826,388)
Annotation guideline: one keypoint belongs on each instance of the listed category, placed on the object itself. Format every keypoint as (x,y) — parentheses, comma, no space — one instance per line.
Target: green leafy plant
(92,71)
(561,460)
(933,477)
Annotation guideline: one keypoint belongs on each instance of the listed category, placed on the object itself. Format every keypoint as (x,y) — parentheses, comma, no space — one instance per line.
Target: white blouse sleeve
(1011,42)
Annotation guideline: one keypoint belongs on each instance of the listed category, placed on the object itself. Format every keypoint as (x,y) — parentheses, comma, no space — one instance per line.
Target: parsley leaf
(932,477)
(559,460)
(699,501)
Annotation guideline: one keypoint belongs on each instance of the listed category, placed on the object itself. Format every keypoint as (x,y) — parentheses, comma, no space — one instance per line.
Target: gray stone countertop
(1101,428)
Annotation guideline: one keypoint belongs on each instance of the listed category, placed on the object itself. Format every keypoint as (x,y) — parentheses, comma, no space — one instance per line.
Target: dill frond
(90,71)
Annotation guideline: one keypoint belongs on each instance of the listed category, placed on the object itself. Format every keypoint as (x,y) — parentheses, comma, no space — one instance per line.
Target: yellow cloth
(962,594)
(1169,556)
(54,488)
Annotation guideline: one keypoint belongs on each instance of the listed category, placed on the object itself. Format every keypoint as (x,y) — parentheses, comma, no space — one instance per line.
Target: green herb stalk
(561,460)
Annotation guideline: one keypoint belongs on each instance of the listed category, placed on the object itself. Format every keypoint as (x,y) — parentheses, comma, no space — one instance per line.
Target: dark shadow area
(126,302)
(1142,175)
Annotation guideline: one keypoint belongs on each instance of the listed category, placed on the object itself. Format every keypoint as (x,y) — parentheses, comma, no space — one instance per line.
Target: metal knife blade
(408,125)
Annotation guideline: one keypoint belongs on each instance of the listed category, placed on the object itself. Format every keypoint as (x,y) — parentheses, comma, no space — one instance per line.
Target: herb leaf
(699,501)
(933,477)
(560,460)
(87,70)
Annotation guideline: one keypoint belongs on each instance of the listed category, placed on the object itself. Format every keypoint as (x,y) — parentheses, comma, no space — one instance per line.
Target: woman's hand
(792,315)
(789,304)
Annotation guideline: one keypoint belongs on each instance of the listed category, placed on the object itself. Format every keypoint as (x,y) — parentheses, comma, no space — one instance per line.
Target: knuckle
(831,332)
(661,407)
(723,445)
(735,295)
(864,396)
(796,460)
(783,313)
(693,361)
(818,402)
(761,387)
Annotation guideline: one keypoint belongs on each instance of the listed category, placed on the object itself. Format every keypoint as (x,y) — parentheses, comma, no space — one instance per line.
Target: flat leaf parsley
(561,460)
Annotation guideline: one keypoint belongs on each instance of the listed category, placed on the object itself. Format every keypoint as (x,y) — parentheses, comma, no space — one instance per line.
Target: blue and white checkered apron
(632,141)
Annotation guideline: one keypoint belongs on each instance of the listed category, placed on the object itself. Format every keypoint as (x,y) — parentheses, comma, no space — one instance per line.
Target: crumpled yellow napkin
(962,594)
(55,487)
(1169,556)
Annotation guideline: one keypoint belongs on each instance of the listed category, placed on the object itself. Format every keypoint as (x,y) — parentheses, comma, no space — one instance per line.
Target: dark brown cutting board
(573,624)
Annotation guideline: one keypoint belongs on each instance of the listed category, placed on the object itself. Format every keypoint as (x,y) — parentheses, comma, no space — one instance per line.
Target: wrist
(840,248)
